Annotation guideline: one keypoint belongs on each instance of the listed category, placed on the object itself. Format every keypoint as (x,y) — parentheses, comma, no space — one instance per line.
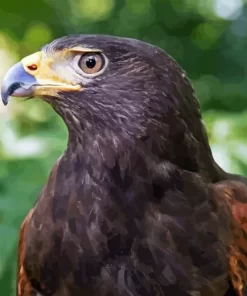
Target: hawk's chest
(68,240)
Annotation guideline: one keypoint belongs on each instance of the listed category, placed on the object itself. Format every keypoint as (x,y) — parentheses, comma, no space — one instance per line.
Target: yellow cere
(49,80)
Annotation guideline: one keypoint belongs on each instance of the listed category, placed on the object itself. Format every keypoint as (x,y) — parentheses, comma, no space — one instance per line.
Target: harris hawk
(136,205)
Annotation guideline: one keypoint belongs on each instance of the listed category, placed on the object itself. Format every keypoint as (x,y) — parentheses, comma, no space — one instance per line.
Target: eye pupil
(91,62)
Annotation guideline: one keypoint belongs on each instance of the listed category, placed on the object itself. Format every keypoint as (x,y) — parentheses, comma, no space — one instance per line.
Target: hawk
(136,205)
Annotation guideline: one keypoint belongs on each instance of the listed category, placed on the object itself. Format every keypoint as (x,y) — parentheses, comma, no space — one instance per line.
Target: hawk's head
(124,86)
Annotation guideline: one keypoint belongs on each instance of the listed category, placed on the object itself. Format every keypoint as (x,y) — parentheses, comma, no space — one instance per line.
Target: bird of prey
(136,205)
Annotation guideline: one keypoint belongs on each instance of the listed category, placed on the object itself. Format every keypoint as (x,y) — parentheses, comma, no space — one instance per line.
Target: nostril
(32,67)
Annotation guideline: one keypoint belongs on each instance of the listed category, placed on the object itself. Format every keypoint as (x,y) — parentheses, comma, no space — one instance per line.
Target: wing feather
(24,287)
(232,195)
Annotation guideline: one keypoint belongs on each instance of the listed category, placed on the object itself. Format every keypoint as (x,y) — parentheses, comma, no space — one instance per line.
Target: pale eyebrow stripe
(77,49)
(82,49)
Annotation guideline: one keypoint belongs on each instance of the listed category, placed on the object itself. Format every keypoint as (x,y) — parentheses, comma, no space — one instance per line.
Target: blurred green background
(207,37)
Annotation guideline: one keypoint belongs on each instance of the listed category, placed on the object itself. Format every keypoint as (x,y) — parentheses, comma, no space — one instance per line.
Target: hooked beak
(34,76)
(17,82)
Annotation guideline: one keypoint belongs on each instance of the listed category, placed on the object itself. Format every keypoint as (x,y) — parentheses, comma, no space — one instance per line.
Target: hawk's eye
(91,63)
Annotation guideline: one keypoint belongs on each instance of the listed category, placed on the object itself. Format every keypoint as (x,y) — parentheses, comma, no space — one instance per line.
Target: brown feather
(234,195)
(24,287)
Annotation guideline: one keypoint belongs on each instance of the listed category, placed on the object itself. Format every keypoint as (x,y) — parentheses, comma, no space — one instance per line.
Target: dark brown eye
(91,63)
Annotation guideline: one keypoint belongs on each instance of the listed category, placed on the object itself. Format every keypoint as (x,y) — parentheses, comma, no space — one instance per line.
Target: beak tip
(5,101)
(4,96)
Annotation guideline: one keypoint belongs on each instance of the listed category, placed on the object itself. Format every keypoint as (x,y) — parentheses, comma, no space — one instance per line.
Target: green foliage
(208,39)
